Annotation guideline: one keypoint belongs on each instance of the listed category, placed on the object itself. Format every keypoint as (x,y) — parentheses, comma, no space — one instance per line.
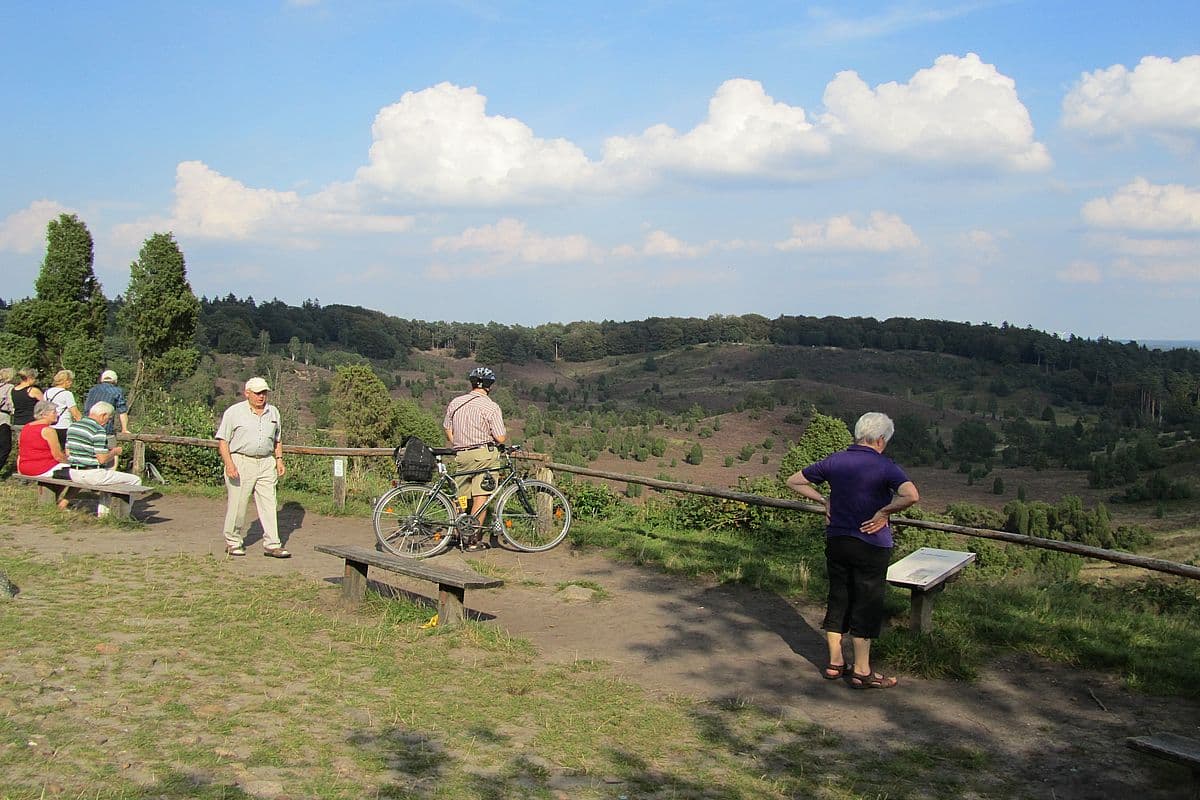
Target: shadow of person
(288,519)
(253,535)
(787,622)
(291,519)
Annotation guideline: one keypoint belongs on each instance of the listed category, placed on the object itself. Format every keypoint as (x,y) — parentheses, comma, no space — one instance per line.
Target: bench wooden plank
(925,572)
(118,498)
(452,583)
(1172,747)
(128,489)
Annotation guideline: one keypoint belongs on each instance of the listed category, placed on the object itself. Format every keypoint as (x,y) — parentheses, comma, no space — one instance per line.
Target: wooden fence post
(139,458)
(339,482)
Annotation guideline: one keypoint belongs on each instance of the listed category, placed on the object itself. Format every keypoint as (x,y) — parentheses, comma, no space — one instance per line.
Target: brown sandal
(834,671)
(873,681)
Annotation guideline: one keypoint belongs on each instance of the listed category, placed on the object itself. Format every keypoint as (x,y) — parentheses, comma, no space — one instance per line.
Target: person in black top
(25,396)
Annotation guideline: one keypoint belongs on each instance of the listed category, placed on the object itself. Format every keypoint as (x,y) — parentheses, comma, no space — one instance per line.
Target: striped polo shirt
(85,439)
(474,419)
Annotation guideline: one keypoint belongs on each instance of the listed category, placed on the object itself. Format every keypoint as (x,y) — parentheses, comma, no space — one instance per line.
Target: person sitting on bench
(91,458)
(39,454)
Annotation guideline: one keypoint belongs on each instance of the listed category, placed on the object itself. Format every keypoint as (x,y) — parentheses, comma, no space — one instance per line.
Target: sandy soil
(1060,731)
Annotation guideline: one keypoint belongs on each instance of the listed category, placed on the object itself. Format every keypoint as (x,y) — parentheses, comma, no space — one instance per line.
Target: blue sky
(1029,162)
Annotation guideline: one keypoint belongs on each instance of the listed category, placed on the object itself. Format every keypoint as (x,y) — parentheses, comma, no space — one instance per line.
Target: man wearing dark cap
(251,446)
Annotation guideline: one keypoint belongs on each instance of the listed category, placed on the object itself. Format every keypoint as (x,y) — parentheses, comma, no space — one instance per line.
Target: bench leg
(921,614)
(354,582)
(450,605)
(49,495)
(118,505)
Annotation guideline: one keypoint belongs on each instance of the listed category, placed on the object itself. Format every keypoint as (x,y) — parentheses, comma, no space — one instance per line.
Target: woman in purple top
(866,489)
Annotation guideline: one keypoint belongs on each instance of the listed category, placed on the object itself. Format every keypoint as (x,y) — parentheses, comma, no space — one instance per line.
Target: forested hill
(1162,385)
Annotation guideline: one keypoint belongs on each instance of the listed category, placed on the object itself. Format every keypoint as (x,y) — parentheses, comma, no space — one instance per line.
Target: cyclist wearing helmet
(474,427)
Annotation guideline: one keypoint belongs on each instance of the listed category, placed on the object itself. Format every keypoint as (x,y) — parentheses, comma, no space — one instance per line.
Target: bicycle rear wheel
(533,516)
(413,521)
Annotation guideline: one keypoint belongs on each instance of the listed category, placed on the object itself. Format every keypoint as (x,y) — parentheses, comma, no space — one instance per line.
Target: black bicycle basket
(416,462)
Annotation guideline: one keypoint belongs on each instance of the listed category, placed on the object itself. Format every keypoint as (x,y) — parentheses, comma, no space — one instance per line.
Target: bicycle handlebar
(449,451)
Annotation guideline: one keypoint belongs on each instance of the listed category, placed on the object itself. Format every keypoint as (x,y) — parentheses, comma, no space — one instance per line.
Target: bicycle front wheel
(533,516)
(413,521)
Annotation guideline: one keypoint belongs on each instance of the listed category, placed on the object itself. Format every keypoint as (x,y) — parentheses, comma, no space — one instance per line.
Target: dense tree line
(1151,384)
(1146,386)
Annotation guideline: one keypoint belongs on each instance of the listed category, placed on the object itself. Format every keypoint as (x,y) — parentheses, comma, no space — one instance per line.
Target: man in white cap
(251,447)
(107,391)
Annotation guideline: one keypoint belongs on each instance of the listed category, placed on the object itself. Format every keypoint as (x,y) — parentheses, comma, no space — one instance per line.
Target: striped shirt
(474,419)
(85,439)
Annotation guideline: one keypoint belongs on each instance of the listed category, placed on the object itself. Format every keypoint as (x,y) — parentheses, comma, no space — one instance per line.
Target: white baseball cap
(257,385)
(108,376)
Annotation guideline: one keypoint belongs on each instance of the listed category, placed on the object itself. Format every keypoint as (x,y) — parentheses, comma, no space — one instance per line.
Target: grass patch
(161,677)
(20,502)
(598,592)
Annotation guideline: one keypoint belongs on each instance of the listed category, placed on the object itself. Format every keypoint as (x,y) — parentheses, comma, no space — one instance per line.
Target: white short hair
(872,426)
(102,408)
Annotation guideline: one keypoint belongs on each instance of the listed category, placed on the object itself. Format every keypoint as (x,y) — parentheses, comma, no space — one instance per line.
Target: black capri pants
(857,580)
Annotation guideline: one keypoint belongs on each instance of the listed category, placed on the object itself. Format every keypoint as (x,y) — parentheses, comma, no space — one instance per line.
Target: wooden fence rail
(1115,556)
(547,467)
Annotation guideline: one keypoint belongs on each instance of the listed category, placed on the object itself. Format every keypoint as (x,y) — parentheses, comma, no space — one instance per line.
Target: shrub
(595,500)
(180,463)
(823,436)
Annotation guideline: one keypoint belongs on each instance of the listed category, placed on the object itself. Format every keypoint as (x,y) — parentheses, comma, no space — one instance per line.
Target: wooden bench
(926,572)
(1172,747)
(452,583)
(117,497)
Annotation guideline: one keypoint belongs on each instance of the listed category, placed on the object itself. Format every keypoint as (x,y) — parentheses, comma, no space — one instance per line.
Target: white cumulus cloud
(510,240)
(882,233)
(658,243)
(214,206)
(746,133)
(1158,95)
(440,146)
(960,110)
(1141,205)
(25,231)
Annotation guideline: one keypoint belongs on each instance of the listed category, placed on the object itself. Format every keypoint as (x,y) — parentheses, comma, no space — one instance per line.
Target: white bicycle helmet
(481,376)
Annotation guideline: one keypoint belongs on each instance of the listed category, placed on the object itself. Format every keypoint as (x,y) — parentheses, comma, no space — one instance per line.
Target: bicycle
(418,520)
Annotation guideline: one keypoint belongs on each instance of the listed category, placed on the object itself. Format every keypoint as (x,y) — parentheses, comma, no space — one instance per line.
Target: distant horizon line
(1157,344)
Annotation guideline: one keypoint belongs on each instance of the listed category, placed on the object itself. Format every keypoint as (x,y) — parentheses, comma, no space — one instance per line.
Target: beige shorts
(479,458)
